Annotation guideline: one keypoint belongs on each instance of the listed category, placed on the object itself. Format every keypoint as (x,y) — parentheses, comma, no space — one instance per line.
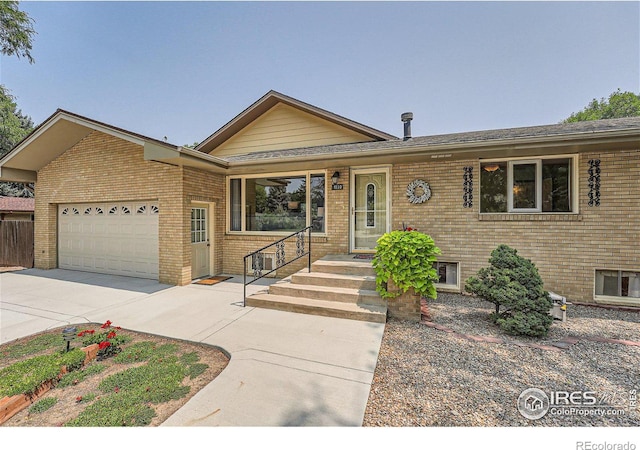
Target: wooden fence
(16,243)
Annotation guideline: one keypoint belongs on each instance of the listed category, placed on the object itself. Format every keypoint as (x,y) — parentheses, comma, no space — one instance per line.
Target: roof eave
(541,144)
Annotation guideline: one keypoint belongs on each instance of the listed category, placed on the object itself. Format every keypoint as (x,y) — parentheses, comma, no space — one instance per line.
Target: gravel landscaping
(430,377)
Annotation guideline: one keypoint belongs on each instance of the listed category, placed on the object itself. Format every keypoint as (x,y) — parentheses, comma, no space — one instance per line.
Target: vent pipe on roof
(407,118)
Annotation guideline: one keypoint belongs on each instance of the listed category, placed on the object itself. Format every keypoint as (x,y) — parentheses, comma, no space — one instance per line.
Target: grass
(26,376)
(42,405)
(142,375)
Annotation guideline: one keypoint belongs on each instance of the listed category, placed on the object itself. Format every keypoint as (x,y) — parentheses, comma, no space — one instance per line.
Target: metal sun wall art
(412,192)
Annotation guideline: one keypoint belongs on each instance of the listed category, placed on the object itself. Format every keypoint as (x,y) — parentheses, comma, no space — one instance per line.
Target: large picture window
(529,186)
(278,203)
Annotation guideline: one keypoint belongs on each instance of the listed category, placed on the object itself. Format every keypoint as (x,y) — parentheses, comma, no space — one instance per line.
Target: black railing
(260,270)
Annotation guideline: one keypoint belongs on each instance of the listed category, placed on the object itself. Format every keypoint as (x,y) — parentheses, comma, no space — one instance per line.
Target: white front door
(200,247)
(369,208)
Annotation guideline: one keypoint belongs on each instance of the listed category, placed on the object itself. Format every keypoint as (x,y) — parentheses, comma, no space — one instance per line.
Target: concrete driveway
(286,369)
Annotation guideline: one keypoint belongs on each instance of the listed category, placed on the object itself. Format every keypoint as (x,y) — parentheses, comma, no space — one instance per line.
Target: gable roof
(63,129)
(17,204)
(268,101)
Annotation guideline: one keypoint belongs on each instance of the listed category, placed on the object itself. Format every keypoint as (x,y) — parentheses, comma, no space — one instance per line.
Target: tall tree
(619,104)
(14,126)
(16,39)
(16,31)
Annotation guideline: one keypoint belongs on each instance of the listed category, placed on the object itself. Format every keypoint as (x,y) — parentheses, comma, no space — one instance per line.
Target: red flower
(104,344)
(111,335)
(107,324)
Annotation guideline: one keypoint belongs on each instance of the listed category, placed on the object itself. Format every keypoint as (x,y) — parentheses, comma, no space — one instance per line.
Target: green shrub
(42,405)
(406,258)
(513,285)
(109,341)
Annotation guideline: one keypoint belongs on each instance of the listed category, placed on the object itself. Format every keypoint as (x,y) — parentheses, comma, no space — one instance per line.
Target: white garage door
(114,238)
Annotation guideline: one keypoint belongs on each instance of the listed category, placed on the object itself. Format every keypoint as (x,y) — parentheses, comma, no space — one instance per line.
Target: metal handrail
(257,257)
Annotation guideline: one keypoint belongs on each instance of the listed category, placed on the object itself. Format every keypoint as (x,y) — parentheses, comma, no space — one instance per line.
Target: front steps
(337,286)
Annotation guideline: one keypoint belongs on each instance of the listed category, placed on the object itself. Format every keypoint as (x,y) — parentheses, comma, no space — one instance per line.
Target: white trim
(631,301)
(538,185)
(574,193)
(211,223)
(443,287)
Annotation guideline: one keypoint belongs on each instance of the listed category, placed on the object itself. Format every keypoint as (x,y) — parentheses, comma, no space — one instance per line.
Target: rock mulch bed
(440,376)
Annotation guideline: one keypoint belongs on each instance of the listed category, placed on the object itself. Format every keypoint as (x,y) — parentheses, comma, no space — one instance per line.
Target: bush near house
(406,258)
(513,284)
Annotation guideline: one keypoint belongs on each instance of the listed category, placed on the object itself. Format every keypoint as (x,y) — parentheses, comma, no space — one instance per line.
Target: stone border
(10,406)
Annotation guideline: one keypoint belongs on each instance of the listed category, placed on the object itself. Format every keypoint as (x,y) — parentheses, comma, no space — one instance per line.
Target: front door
(200,248)
(369,208)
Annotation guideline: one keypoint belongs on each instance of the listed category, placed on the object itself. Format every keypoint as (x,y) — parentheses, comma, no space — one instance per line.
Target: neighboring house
(16,208)
(566,196)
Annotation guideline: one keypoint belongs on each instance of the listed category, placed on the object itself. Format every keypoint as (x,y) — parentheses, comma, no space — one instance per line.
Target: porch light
(69,334)
(335,177)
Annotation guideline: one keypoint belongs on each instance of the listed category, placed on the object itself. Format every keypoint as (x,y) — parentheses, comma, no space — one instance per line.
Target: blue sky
(184,69)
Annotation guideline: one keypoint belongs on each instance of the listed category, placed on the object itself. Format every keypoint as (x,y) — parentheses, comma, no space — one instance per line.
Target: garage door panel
(109,238)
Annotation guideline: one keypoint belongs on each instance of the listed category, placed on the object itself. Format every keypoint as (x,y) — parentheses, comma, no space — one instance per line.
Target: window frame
(243,203)
(443,287)
(617,298)
(538,161)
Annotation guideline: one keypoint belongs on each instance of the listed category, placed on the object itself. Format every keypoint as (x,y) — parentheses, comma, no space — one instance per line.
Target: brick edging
(10,406)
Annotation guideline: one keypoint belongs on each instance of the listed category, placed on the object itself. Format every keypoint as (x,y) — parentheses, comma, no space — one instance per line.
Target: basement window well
(448,278)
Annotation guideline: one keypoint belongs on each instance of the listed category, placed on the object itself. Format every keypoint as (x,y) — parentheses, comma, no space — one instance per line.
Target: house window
(278,203)
(617,283)
(527,186)
(447,274)
(317,203)
(371,205)
(198,225)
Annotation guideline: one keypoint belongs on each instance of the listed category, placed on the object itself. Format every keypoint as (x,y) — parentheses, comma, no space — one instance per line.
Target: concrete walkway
(286,369)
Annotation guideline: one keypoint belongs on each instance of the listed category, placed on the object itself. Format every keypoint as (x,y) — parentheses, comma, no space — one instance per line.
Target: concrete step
(367,313)
(344,267)
(367,282)
(329,293)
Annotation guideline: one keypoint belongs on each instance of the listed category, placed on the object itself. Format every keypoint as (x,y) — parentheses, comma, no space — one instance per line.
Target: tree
(619,104)
(513,283)
(14,126)
(16,31)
